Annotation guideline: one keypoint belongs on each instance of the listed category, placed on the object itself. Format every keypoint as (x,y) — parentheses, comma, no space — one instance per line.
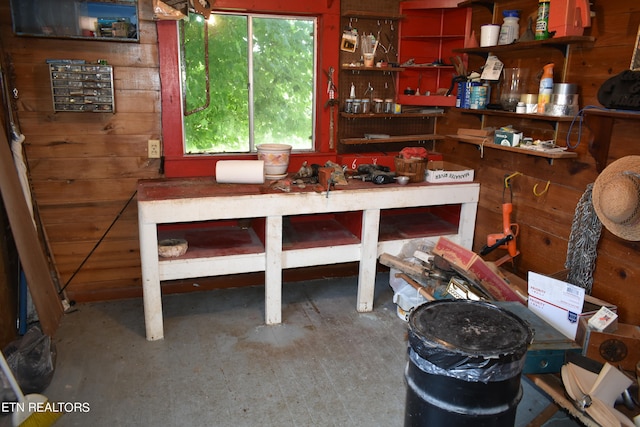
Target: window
(248,80)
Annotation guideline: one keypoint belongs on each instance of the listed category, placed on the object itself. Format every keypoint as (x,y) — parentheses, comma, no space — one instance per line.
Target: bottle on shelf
(510,29)
(542,23)
(546,87)
(349,102)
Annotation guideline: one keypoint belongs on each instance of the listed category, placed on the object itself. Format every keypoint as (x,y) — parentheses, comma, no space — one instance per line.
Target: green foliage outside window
(283,59)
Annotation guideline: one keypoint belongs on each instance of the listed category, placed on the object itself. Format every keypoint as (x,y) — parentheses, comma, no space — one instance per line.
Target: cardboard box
(620,348)
(546,354)
(440,172)
(589,309)
(474,268)
(507,138)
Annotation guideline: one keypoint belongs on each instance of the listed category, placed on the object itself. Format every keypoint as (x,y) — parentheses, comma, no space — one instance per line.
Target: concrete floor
(219,365)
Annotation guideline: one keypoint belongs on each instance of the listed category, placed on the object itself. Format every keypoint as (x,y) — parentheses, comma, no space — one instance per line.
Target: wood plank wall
(545,221)
(84,166)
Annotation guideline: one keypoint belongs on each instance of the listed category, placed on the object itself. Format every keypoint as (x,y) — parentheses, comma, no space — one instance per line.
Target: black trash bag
(32,358)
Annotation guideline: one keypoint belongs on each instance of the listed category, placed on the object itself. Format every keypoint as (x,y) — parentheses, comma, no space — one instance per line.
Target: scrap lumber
(36,269)
(471,265)
(407,267)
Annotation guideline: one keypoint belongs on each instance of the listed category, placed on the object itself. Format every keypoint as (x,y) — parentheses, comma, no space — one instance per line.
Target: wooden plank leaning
(43,290)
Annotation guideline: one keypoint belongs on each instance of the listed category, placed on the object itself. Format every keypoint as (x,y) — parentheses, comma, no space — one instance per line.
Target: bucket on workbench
(414,168)
(465,363)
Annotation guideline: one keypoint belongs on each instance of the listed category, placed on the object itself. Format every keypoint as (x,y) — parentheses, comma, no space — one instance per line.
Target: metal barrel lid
(464,330)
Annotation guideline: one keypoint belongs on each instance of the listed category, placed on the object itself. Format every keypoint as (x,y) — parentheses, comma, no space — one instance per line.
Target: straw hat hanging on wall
(616,198)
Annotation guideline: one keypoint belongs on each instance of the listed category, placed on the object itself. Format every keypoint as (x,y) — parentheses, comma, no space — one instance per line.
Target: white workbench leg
(368,259)
(273,271)
(152,297)
(467,224)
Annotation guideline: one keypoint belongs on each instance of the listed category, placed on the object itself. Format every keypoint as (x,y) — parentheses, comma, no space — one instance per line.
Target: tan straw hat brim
(616,198)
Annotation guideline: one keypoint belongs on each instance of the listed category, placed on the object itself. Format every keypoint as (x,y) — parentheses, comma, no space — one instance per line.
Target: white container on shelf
(510,29)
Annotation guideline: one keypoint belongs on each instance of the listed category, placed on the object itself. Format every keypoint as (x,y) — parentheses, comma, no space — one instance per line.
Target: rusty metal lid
(460,330)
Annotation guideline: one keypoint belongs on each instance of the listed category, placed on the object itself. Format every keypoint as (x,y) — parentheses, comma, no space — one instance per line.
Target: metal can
(478,97)
(463,99)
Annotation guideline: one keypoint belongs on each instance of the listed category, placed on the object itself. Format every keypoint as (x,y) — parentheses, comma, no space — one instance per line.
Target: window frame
(251,111)
(179,164)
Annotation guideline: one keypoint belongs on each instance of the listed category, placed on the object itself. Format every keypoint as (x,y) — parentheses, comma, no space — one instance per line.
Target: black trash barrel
(465,362)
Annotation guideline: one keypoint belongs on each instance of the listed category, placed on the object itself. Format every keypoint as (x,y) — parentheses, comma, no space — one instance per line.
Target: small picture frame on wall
(635,59)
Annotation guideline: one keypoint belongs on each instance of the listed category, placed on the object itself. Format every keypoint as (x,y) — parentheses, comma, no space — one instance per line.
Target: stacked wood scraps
(468,274)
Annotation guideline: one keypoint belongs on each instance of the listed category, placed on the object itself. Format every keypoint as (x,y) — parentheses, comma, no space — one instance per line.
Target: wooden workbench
(356,222)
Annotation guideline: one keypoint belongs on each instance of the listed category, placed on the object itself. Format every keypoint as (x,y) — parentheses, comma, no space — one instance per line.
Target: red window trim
(177,164)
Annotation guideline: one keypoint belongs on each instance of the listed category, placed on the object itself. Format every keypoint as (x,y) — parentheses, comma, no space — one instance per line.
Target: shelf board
(401,138)
(365,14)
(414,225)
(488,143)
(435,36)
(216,241)
(601,122)
(428,67)
(346,67)
(611,113)
(388,115)
(501,113)
(488,3)
(431,100)
(554,42)
(319,232)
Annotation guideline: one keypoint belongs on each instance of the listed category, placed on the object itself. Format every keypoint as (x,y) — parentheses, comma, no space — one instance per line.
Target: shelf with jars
(522,121)
(378,68)
(487,143)
(521,60)
(367,94)
(560,43)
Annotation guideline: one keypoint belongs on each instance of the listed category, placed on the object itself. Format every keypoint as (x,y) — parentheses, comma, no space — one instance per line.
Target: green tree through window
(261,82)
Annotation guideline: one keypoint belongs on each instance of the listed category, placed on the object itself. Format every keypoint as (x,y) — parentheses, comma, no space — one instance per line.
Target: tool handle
(486,249)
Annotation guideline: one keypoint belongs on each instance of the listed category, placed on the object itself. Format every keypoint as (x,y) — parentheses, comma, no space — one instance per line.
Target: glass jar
(348,105)
(388,106)
(357,106)
(378,105)
(513,85)
(365,106)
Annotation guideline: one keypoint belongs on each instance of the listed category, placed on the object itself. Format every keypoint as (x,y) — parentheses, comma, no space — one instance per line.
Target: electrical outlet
(154,149)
